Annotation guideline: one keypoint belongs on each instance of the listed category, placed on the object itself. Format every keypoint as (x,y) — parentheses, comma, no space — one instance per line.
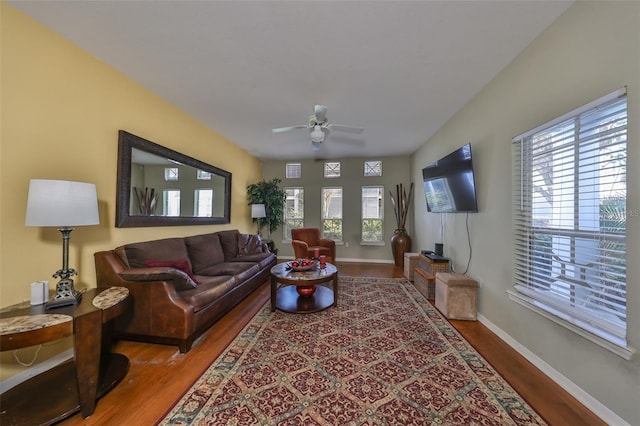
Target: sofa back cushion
(249,244)
(138,254)
(229,241)
(204,251)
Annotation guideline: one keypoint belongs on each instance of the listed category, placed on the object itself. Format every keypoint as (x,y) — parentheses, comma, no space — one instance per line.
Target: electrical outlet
(346,243)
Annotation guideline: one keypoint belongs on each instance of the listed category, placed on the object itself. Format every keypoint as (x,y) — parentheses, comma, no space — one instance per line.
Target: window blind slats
(569,200)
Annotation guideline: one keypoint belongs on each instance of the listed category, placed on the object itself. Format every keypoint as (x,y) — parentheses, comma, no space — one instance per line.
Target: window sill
(622,350)
(372,243)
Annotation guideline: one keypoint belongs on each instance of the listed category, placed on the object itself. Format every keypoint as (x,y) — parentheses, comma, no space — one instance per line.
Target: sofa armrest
(327,243)
(181,279)
(300,248)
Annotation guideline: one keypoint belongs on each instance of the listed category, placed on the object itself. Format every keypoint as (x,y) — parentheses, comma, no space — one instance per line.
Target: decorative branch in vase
(147,201)
(400,240)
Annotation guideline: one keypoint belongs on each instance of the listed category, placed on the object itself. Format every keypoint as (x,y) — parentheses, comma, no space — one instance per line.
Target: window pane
(171,173)
(202,175)
(171,202)
(203,202)
(373,168)
(293,170)
(372,208)
(332,213)
(293,210)
(331,169)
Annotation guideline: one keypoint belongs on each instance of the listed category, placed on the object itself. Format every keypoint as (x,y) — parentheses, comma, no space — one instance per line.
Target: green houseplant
(268,193)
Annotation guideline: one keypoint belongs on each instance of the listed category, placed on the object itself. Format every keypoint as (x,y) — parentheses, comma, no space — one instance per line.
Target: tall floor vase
(400,244)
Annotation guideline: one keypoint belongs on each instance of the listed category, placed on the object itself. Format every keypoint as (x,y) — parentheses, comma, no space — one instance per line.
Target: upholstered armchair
(306,240)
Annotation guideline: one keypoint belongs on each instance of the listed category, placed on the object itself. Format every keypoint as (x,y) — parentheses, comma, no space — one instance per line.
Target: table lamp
(258,212)
(62,204)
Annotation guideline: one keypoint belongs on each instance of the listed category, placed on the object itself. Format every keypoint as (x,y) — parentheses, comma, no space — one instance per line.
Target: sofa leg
(185,345)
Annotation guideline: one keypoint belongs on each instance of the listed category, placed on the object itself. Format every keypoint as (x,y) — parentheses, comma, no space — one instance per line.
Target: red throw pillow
(181,264)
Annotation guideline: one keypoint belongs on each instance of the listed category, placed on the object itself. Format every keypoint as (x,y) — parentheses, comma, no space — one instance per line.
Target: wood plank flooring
(160,374)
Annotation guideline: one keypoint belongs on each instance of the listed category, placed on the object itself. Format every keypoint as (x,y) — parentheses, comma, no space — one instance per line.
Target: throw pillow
(181,264)
(249,244)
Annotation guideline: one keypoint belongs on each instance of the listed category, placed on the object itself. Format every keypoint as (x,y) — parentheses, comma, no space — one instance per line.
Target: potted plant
(268,193)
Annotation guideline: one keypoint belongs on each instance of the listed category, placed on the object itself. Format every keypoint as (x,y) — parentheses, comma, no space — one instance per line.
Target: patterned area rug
(383,356)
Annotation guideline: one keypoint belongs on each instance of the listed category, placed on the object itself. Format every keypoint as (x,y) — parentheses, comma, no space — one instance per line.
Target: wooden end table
(287,298)
(74,385)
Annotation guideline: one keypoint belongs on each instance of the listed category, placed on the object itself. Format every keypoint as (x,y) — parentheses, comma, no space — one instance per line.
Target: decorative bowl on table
(300,265)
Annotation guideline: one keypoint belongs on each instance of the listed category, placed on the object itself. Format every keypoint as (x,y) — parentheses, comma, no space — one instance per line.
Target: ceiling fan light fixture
(317,135)
(316,145)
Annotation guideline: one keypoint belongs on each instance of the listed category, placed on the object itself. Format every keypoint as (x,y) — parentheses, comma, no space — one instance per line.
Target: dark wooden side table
(76,384)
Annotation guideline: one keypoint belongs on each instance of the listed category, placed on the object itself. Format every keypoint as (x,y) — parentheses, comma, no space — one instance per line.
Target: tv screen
(449,183)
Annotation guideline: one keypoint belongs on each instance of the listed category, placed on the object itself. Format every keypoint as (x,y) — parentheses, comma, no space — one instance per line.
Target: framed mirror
(161,187)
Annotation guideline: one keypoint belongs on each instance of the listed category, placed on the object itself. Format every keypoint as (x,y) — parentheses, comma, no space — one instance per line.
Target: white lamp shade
(61,203)
(258,211)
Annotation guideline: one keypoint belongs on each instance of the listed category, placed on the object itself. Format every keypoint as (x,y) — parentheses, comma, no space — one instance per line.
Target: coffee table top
(280,271)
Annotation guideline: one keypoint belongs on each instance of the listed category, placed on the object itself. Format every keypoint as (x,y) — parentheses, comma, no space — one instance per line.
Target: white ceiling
(400,69)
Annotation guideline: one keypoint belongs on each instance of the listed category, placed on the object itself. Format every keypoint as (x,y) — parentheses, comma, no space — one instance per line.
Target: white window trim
(584,330)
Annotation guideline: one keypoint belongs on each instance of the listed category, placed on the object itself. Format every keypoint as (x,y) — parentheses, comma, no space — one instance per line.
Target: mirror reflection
(158,186)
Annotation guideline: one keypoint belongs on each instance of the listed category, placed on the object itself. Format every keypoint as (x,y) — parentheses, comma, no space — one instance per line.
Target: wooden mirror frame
(127,142)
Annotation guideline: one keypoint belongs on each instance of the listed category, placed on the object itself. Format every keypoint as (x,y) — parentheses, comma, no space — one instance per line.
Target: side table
(74,385)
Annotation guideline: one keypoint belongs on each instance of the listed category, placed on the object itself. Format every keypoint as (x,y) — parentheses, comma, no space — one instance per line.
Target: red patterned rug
(383,356)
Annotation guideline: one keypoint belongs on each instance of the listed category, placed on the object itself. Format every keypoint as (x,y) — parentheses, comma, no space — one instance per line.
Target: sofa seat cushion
(262,259)
(167,249)
(204,251)
(210,290)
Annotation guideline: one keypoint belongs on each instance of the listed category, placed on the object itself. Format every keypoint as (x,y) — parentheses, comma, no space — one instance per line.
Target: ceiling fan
(319,126)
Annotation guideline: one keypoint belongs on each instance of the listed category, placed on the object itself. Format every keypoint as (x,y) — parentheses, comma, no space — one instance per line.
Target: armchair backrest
(310,236)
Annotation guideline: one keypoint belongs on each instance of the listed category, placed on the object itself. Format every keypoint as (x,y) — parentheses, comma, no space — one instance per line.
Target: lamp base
(66,295)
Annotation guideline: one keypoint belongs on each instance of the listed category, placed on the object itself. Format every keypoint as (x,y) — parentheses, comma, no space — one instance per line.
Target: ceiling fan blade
(320,112)
(286,129)
(349,129)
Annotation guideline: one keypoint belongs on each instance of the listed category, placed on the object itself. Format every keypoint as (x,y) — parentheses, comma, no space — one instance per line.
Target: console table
(74,385)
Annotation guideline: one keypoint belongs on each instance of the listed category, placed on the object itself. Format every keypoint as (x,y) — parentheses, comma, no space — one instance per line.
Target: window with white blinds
(569,194)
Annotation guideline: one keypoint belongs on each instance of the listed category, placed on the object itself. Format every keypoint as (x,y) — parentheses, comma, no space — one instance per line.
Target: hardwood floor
(160,374)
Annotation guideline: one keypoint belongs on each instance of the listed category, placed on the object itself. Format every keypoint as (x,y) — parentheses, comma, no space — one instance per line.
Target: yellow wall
(61,110)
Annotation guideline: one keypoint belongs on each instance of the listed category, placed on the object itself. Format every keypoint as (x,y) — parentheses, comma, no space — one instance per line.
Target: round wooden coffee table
(287,297)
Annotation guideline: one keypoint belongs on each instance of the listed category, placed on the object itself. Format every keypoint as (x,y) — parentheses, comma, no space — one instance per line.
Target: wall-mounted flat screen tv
(449,183)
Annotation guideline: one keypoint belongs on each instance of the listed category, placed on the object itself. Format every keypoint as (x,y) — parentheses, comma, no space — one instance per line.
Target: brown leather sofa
(181,286)
(306,240)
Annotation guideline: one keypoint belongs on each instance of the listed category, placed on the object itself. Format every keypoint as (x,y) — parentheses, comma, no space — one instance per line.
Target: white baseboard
(587,400)
(348,259)
(25,375)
